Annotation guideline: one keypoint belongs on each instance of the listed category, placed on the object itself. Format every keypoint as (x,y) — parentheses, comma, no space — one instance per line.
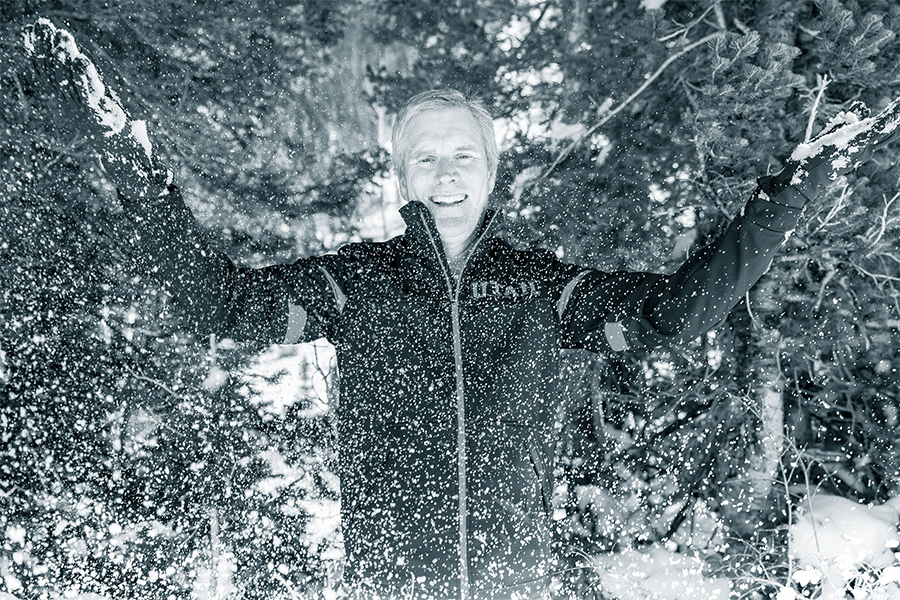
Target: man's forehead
(455,140)
(455,126)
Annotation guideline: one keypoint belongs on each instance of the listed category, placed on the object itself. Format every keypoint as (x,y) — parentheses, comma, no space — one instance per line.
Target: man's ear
(401,183)
(491,181)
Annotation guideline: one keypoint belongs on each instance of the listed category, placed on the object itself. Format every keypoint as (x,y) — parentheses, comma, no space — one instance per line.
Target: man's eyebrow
(427,149)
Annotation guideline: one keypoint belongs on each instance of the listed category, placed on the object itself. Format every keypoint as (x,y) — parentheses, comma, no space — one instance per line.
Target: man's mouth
(448,198)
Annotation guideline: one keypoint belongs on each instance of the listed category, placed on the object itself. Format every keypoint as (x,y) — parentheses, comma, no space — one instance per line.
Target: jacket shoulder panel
(383,269)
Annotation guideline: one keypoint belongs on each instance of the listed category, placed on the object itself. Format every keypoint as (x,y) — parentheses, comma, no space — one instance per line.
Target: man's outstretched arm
(275,304)
(626,310)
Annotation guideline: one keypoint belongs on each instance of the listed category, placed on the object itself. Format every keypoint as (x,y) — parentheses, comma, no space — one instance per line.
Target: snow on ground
(657,574)
(841,545)
(838,549)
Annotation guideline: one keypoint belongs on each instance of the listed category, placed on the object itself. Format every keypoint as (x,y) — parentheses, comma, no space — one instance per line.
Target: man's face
(447,169)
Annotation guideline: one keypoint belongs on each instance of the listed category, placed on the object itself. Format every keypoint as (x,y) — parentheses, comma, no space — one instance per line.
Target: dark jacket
(448,389)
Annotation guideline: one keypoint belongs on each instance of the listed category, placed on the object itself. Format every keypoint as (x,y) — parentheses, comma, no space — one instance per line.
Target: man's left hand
(849,140)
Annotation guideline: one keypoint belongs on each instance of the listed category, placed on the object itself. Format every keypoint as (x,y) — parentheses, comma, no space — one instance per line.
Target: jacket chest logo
(498,289)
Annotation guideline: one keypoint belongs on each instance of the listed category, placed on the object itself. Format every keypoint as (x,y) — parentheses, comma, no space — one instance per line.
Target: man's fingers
(84,85)
(75,81)
(857,111)
(29,32)
(102,103)
(46,46)
(61,78)
(39,38)
(879,131)
(887,125)
(38,44)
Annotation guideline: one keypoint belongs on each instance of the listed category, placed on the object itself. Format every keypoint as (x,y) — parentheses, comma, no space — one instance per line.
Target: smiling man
(446,158)
(448,340)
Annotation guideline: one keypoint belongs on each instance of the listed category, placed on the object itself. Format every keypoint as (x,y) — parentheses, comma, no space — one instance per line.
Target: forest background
(137,461)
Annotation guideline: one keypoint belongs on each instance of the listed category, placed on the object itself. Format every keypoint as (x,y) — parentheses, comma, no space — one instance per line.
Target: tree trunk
(578,22)
(747,502)
(215,547)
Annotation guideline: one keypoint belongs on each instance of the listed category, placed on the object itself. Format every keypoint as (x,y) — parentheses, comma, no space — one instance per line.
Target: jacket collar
(420,226)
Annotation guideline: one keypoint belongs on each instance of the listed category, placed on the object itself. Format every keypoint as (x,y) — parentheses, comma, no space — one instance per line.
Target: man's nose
(447,171)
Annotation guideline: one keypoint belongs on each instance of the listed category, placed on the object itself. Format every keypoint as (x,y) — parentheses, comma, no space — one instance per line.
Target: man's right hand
(83,106)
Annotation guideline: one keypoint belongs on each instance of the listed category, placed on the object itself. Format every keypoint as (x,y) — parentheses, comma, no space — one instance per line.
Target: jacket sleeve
(277,304)
(605,312)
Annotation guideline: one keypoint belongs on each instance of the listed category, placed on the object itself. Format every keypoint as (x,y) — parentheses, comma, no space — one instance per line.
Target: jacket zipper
(460,399)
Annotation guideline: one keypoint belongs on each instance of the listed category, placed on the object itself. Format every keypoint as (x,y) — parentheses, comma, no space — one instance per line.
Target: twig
(720,16)
(884,219)
(23,102)
(531,29)
(325,377)
(838,205)
(689,26)
(891,256)
(587,134)
(688,94)
(63,14)
(184,92)
(756,322)
(742,26)
(894,297)
(155,382)
(786,480)
(825,281)
(286,585)
(823,82)
(875,276)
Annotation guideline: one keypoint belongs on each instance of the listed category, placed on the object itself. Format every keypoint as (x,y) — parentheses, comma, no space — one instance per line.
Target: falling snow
(455,420)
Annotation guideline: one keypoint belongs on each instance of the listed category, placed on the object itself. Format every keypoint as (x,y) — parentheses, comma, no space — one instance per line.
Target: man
(447,339)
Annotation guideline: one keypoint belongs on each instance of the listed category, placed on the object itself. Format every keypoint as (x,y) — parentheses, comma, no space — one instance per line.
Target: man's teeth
(448,199)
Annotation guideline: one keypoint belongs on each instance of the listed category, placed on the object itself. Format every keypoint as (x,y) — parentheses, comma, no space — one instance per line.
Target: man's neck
(456,249)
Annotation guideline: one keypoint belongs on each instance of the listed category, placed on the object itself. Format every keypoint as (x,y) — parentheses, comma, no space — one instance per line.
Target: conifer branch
(608,116)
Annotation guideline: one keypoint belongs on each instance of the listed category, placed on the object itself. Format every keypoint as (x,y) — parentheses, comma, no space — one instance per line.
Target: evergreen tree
(132,467)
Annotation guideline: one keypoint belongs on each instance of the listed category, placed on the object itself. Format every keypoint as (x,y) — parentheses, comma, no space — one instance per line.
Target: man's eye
(464,156)
(425,159)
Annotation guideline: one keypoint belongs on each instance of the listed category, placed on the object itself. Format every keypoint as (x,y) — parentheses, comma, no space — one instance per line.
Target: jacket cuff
(152,197)
(171,195)
(774,213)
(779,189)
